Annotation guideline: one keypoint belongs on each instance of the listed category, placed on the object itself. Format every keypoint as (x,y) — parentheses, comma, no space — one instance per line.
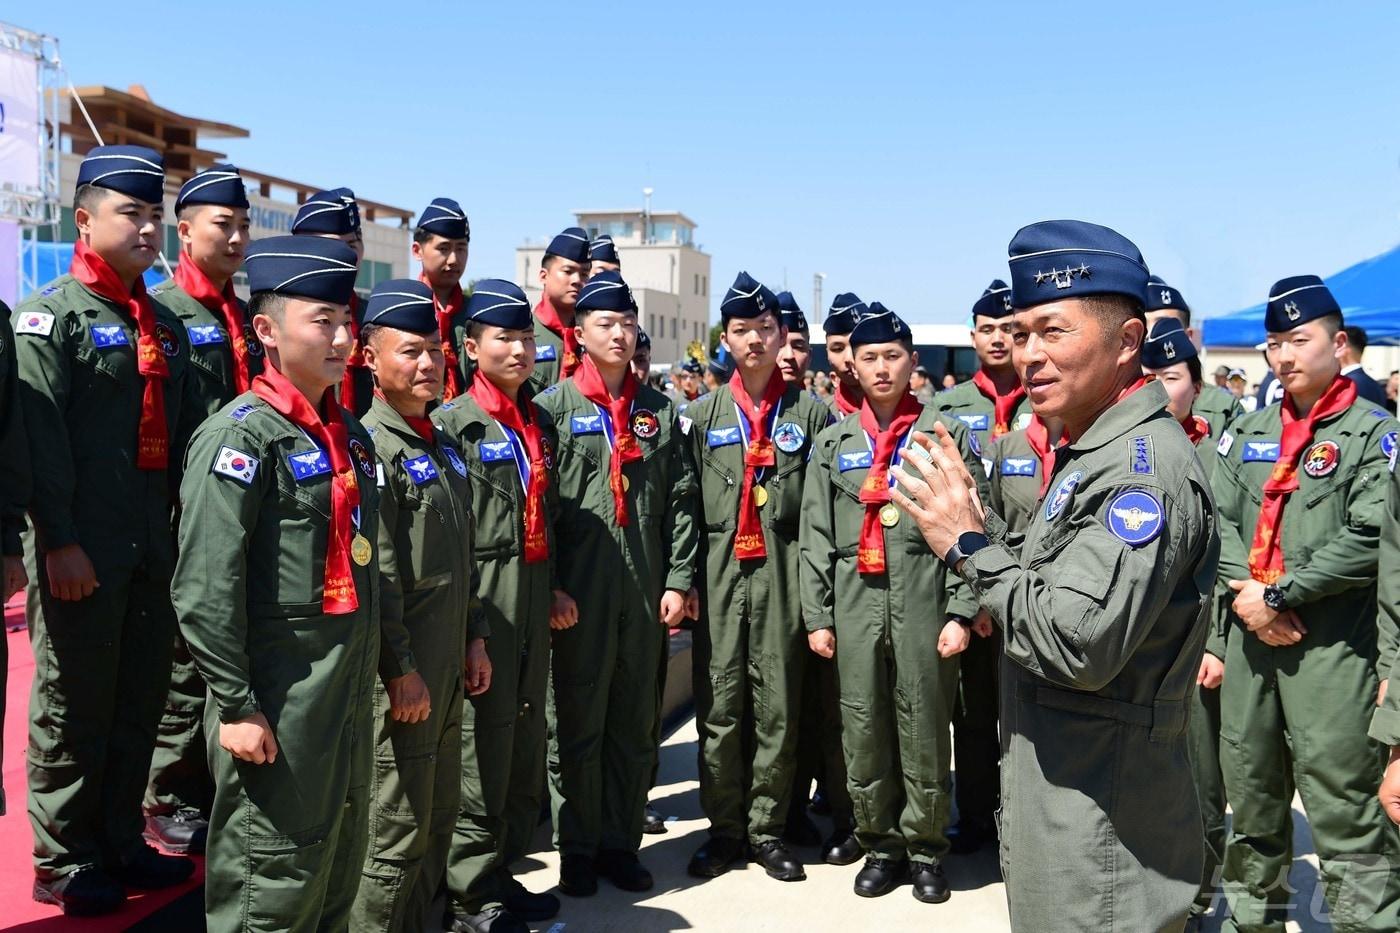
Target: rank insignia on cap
(1063,278)
(455,459)
(236,465)
(1166,296)
(309,464)
(1388,443)
(1135,516)
(362,457)
(1018,466)
(1291,309)
(421,470)
(586,424)
(494,451)
(856,460)
(789,437)
(722,437)
(1322,459)
(109,335)
(645,424)
(35,322)
(1063,493)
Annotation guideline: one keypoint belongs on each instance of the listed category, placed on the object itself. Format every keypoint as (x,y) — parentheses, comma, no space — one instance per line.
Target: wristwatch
(968,543)
(1274,599)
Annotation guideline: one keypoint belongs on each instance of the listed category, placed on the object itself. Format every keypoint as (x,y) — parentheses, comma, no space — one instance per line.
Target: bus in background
(943,349)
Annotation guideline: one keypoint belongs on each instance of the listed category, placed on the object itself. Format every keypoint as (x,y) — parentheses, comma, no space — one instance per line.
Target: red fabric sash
(572,355)
(1266,552)
(452,382)
(625,448)
(225,304)
(847,400)
(1038,435)
(1197,428)
(748,541)
(338,595)
(1003,405)
(423,427)
(356,360)
(503,409)
(875,491)
(153,434)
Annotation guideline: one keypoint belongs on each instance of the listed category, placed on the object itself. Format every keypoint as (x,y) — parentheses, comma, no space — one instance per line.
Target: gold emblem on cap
(360,550)
(889,515)
(760,496)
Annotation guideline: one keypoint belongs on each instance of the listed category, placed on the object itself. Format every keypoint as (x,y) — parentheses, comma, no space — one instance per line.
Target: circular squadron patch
(1322,459)
(789,437)
(1135,516)
(644,423)
(362,457)
(1062,494)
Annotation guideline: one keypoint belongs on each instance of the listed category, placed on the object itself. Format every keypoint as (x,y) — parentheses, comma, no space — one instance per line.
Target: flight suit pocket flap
(273,843)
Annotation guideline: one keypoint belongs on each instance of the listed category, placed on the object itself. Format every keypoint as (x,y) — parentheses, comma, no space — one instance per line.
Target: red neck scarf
(875,491)
(625,448)
(748,541)
(505,411)
(848,401)
(1003,405)
(1038,435)
(1266,552)
(356,360)
(423,427)
(1196,427)
(338,595)
(573,356)
(196,284)
(452,384)
(153,435)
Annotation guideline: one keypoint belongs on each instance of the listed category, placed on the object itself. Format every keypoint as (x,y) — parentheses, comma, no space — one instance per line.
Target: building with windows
(668,273)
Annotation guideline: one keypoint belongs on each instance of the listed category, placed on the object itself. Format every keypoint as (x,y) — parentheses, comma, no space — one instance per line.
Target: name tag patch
(309,464)
(975,422)
(203,334)
(546,354)
(722,437)
(495,451)
(1018,466)
(109,335)
(1259,452)
(856,460)
(421,470)
(235,464)
(586,424)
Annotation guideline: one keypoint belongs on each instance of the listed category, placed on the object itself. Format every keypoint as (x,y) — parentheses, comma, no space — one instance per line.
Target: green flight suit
(287,839)
(976,745)
(604,668)
(1103,615)
(1297,716)
(14,477)
(896,693)
(1013,473)
(102,663)
(503,729)
(427,614)
(1385,722)
(749,644)
(549,358)
(180,778)
(1218,406)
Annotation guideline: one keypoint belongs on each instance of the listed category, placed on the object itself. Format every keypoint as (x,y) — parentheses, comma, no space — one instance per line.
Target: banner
(19,121)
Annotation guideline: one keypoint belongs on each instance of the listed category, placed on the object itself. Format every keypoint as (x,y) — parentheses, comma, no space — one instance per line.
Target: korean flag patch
(1227,440)
(1135,517)
(235,464)
(35,322)
(421,470)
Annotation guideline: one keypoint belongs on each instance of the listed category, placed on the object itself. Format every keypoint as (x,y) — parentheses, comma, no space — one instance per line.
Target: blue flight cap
(403,304)
(327,212)
(445,217)
(747,298)
(571,244)
(643,340)
(220,184)
(1167,345)
(791,315)
(1058,259)
(879,325)
(499,303)
(1297,300)
(317,268)
(603,249)
(132,170)
(846,310)
(995,301)
(1162,297)
(605,291)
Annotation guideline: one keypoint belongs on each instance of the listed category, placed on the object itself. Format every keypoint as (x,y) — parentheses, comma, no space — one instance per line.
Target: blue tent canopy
(1369,293)
(52,259)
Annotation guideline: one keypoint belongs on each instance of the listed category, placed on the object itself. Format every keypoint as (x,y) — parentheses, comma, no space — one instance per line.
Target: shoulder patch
(455,459)
(1227,440)
(1134,517)
(235,464)
(554,388)
(685,424)
(48,291)
(38,323)
(1388,444)
(1141,455)
(242,412)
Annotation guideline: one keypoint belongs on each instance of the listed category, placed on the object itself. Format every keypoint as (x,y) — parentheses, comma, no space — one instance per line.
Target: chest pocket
(424,533)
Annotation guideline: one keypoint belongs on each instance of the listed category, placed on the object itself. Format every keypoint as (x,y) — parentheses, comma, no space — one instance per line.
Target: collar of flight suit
(391,420)
(1122,416)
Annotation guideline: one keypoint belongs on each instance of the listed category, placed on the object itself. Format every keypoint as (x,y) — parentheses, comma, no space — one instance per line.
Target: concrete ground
(747,899)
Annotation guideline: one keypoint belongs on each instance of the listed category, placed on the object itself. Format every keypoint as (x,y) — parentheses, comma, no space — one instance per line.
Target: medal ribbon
(527,441)
(875,491)
(755,425)
(617,427)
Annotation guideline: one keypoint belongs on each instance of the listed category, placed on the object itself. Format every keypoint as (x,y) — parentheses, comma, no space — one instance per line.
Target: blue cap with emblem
(1297,300)
(693,367)
(1167,346)
(747,298)
(603,249)
(326,212)
(135,171)
(845,310)
(317,268)
(1162,297)
(791,314)
(1058,259)
(403,304)
(643,340)
(499,303)
(347,197)
(605,292)
(220,185)
(571,244)
(879,325)
(445,217)
(995,301)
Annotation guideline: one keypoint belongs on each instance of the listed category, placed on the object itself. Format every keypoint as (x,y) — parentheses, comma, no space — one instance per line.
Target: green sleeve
(395,647)
(193,409)
(552,506)
(962,602)
(43,394)
(1230,500)
(679,529)
(816,538)
(15,480)
(1388,581)
(210,587)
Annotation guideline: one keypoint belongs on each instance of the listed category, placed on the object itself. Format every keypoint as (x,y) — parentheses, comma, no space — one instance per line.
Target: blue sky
(895,147)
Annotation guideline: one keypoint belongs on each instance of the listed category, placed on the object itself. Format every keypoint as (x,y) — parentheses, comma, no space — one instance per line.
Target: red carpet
(20,913)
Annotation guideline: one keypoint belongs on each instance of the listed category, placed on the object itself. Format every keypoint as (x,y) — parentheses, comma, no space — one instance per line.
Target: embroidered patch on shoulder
(48,291)
(242,412)
(1141,454)
(552,389)
(1388,444)
(1227,440)
(38,323)
(789,437)
(1062,494)
(455,459)
(1135,517)
(235,464)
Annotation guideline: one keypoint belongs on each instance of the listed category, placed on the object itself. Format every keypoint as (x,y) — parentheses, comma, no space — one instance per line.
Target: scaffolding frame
(35,208)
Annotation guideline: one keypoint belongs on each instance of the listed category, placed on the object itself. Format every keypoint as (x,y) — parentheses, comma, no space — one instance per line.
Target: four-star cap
(748,298)
(220,185)
(1058,259)
(603,249)
(995,301)
(846,309)
(445,217)
(571,244)
(403,304)
(792,316)
(1167,345)
(327,212)
(606,291)
(879,325)
(317,268)
(1162,297)
(499,303)
(1296,300)
(132,170)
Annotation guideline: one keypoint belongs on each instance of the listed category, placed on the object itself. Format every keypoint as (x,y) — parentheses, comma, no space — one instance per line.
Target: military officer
(431,625)
(627,491)
(277,591)
(509,445)
(212,222)
(841,319)
(602,256)
(563,270)
(868,587)
(108,406)
(1301,492)
(1216,404)
(751,441)
(14,489)
(441,242)
(796,354)
(1103,611)
(1385,722)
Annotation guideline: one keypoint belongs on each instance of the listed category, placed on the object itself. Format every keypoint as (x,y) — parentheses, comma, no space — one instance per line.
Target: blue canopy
(1369,293)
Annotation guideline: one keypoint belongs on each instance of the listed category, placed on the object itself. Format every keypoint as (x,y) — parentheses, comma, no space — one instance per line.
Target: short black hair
(474,329)
(1193,366)
(269,303)
(367,332)
(1333,323)
(1113,310)
(422,235)
(87,197)
(581,313)
(1356,336)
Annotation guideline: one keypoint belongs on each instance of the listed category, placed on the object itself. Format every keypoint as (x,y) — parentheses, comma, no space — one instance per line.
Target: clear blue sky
(894,146)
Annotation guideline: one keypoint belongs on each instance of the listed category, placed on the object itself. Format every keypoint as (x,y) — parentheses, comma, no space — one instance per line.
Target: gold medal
(889,515)
(360,551)
(626,483)
(760,496)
